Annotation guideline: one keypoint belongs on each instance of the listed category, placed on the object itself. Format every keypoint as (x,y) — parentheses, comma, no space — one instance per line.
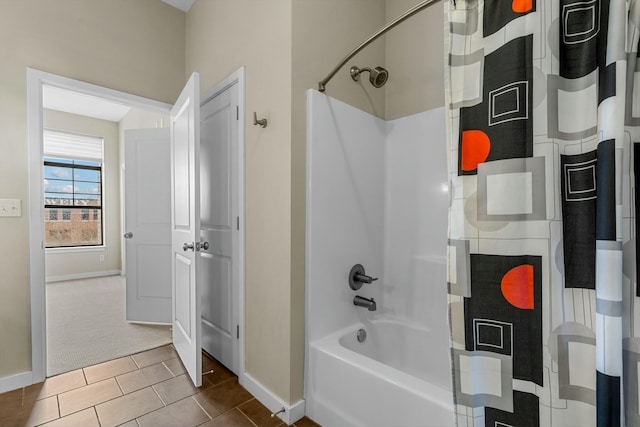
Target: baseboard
(13,382)
(90,275)
(291,414)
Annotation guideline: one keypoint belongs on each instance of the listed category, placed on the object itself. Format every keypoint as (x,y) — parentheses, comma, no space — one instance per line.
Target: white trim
(241,76)
(89,275)
(35,80)
(133,101)
(36,227)
(292,413)
(14,382)
(136,322)
(123,223)
(238,77)
(224,84)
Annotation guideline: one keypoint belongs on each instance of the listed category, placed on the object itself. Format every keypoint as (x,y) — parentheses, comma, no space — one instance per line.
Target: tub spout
(367,303)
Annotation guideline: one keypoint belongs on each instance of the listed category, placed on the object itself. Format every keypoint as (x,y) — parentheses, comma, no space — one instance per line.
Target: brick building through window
(72,190)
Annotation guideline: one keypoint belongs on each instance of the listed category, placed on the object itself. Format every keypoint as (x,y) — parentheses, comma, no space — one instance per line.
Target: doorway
(85,286)
(79,271)
(35,82)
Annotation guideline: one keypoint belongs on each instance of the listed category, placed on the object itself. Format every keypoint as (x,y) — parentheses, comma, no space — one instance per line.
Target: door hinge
(237,112)
(238,223)
(238,331)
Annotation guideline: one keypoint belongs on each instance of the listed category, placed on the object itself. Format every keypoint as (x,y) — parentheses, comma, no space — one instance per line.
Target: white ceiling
(183,5)
(68,101)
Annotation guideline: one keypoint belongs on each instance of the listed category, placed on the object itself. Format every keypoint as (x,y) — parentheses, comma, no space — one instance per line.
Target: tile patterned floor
(146,389)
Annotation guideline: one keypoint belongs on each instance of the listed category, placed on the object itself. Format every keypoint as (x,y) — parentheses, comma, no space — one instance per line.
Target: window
(73,182)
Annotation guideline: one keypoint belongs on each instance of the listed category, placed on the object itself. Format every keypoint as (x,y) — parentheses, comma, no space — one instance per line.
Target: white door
(147,160)
(220,223)
(185,228)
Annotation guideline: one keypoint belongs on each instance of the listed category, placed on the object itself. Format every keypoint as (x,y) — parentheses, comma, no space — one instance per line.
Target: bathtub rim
(429,391)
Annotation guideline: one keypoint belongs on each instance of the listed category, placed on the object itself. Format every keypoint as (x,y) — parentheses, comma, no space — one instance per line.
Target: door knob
(187,246)
(128,235)
(204,246)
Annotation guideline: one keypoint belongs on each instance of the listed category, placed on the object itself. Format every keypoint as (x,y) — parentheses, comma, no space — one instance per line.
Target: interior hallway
(150,388)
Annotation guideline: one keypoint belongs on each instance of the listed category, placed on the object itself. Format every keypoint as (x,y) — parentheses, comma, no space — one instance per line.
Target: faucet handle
(364,278)
(358,277)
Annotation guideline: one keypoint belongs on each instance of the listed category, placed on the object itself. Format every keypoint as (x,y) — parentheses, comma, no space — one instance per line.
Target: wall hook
(261,122)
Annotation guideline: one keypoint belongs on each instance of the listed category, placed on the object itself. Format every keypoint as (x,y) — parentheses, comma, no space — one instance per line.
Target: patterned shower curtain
(543,128)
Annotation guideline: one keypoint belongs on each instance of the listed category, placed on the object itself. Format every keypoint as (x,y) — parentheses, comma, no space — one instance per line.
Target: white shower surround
(376,195)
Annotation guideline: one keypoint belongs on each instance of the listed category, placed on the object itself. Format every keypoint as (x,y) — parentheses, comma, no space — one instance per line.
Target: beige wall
(323,33)
(414,58)
(62,262)
(133,46)
(221,36)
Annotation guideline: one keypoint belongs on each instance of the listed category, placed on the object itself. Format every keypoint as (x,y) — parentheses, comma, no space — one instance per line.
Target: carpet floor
(86,325)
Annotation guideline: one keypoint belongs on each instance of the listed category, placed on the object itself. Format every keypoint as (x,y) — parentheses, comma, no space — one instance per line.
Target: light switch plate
(10,207)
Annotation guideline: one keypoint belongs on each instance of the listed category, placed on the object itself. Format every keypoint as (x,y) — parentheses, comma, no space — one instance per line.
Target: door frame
(35,80)
(237,77)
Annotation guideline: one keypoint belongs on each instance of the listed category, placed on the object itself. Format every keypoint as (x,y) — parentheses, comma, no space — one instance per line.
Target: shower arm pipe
(408,14)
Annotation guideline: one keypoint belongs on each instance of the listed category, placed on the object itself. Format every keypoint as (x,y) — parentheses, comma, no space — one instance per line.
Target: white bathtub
(395,378)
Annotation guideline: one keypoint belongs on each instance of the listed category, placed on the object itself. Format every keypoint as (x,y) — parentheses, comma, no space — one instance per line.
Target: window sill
(75,249)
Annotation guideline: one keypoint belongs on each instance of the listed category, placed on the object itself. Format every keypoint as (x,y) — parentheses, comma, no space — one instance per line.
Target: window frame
(71,208)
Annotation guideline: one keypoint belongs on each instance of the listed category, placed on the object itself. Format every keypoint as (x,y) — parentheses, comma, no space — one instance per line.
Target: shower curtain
(543,129)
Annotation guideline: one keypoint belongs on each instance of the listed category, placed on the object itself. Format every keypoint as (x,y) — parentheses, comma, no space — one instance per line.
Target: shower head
(378,76)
